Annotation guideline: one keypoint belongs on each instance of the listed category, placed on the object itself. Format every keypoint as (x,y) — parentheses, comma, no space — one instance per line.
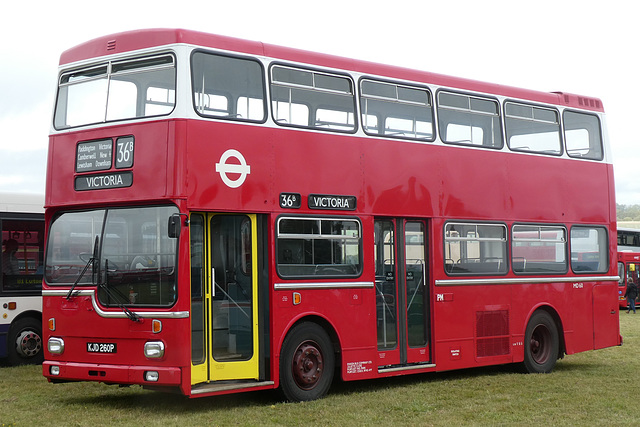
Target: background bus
(22,225)
(628,240)
(234,216)
(628,260)
(628,269)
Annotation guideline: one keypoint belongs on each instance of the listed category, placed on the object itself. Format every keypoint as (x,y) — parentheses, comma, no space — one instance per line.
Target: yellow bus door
(224,311)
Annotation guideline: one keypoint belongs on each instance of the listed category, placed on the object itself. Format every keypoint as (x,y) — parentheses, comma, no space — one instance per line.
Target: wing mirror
(175,225)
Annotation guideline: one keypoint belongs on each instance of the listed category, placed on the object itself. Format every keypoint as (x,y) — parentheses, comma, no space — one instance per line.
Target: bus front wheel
(541,343)
(307,363)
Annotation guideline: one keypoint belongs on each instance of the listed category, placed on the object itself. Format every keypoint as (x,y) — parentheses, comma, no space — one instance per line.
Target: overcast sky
(561,45)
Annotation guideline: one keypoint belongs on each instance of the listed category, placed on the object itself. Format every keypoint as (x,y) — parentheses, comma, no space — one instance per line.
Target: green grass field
(592,388)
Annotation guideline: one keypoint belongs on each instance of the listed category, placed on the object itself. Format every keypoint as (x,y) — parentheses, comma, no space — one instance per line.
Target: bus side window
(582,135)
(228,87)
(403,111)
(469,120)
(312,99)
(589,249)
(318,247)
(532,129)
(475,249)
(538,249)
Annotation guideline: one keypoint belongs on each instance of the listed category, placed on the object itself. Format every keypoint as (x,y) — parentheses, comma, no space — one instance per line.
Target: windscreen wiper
(116,295)
(130,314)
(84,270)
(91,262)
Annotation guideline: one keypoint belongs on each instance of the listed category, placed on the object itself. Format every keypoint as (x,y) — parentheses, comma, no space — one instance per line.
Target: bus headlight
(55,345)
(54,370)
(154,349)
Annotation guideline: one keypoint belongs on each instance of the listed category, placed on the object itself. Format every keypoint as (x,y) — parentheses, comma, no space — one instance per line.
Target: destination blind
(94,155)
(335,202)
(101,181)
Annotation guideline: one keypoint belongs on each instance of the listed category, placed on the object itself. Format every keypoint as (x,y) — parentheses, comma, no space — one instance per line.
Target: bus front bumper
(111,374)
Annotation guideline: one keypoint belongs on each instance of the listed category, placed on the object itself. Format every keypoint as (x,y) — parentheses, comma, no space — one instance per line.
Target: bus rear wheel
(307,363)
(542,343)
(25,342)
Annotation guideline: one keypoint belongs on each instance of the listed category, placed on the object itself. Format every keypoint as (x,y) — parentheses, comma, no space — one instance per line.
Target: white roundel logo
(242,169)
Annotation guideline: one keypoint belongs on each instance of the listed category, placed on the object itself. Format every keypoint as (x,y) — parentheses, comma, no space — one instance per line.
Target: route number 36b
(290,200)
(124,152)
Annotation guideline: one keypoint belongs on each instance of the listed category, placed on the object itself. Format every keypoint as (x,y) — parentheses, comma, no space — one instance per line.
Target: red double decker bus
(226,215)
(628,261)
(628,271)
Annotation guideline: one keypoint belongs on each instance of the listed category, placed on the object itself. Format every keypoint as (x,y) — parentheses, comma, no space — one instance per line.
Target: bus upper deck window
(532,129)
(469,120)
(228,87)
(312,99)
(582,135)
(116,90)
(396,111)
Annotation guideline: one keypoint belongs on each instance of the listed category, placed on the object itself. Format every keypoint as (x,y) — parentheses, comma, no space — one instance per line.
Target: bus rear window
(319,247)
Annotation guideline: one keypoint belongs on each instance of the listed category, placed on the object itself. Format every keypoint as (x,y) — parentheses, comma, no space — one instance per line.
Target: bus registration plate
(101,347)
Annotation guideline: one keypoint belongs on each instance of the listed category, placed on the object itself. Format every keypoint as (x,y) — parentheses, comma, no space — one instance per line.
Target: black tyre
(541,343)
(307,363)
(25,342)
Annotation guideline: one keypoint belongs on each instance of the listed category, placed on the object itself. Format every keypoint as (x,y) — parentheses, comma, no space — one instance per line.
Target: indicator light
(156,326)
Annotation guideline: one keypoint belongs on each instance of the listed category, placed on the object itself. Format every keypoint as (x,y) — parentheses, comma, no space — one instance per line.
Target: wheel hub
(540,348)
(28,344)
(307,365)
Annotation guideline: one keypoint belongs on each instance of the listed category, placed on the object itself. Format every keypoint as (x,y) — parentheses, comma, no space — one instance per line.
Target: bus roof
(21,202)
(143,39)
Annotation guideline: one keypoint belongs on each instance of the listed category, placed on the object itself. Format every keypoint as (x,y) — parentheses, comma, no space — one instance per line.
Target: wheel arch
(34,314)
(325,324)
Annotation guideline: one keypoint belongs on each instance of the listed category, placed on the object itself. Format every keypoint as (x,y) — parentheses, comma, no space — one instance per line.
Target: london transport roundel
(224,168)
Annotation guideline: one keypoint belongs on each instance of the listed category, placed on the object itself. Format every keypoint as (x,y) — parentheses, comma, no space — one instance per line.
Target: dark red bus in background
(628,260)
